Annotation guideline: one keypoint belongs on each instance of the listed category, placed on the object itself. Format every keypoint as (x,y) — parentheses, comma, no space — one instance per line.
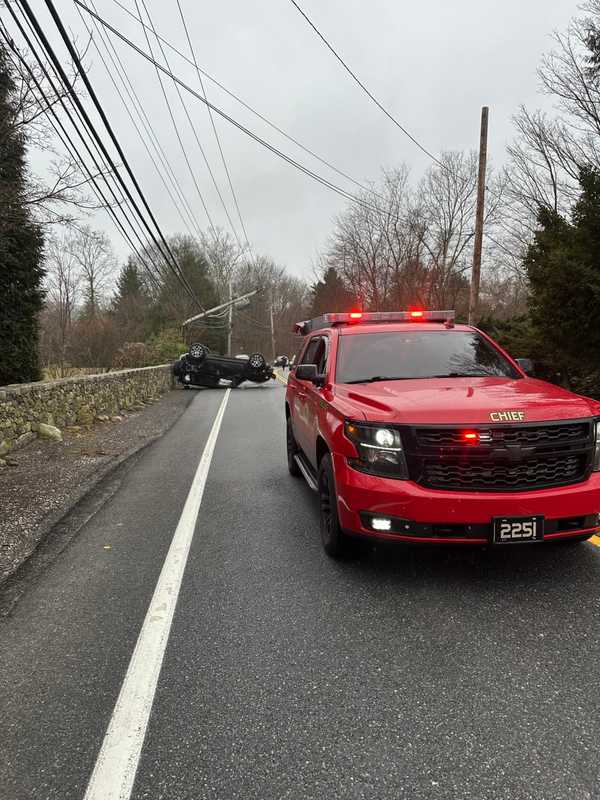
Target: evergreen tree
(563,267)
(130,285)
(330,295)
(131,303)
(21,243)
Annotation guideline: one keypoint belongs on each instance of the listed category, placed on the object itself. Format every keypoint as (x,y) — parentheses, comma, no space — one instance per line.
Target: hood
(464,401)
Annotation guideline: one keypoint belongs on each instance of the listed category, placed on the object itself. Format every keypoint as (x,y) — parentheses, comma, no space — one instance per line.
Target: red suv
(412,428)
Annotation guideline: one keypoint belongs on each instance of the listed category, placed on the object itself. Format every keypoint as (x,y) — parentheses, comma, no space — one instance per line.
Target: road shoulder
(47,482)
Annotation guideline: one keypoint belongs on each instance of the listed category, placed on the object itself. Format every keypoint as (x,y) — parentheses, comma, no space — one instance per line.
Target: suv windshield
(401,355)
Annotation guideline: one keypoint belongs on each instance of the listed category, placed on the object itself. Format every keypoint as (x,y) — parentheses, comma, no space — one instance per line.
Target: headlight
(379,450)
(597,450)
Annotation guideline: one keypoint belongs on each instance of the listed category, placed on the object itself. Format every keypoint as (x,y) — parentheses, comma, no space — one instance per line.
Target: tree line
(67,303)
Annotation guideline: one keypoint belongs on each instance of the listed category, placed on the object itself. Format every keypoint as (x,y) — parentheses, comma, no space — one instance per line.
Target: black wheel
(334,540)
(235,382)
(292,450)
(198,353)
(257,361)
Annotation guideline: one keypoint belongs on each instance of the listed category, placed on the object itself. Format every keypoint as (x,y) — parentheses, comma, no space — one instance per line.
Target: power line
(69,146)
(357,80)
(147,124)
(192,126)
(177,133)
(319,178)
(170,259)
(249,108)
(68,141)
(214,127)
(141,136)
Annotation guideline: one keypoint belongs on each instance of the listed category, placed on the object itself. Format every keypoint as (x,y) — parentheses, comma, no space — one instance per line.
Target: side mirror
(308,372)
(526,365)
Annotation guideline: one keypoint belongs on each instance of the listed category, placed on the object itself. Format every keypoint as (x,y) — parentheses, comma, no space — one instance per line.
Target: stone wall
(74,401)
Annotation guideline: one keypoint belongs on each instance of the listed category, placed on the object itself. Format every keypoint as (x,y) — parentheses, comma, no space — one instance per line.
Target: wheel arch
(322,449)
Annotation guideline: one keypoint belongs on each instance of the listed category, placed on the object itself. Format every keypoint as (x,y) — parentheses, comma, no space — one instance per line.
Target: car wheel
(334,540)
(257,361)
(198,353)
(292,450)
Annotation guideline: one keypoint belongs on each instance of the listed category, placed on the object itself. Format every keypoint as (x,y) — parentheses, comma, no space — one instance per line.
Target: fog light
(187,378)
(381,524)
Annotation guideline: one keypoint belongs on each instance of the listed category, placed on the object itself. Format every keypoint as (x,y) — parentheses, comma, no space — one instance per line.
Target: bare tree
(402,246)
(63,281)
(62,194)
(93,256)
(549,151)
(224,256)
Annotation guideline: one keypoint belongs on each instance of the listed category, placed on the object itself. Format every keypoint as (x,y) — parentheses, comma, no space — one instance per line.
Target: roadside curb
(9,585)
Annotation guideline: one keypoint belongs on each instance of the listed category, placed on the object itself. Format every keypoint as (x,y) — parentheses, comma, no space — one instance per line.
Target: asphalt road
(406,673)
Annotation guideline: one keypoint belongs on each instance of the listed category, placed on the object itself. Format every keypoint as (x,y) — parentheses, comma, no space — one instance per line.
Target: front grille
(511,458)
(540,435)
(488,474)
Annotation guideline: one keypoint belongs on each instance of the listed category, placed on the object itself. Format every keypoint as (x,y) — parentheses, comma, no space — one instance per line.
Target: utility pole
(230,319)
(272,326)
(234,301)
(476,273)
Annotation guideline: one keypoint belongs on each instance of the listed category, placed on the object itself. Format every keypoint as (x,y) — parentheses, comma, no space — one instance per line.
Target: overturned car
(200,367)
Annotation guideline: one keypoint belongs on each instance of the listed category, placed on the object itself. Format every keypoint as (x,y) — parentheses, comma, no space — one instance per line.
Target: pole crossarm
(214,310)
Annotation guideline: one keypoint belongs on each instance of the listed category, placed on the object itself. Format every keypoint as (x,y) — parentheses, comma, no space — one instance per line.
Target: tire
(292,450)
(257,361)
(235,382)
(198,353)
(335,542)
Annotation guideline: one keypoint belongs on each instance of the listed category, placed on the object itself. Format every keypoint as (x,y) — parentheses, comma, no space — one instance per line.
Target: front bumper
(443,517)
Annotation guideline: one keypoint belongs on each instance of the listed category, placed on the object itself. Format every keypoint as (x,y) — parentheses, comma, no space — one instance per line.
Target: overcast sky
(432,63)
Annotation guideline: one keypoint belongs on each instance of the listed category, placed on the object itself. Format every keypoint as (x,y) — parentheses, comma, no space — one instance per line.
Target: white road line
(116,766)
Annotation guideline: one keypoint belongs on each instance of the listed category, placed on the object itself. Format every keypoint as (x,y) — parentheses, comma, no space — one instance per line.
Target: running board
(306,472)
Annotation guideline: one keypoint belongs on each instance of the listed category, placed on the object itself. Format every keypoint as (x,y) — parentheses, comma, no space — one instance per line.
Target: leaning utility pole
(476,273)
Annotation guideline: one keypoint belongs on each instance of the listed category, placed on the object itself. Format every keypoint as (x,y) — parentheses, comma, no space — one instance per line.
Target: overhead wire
(214,127)
(117,67)
(388,114)
(357,80)
(157,237)
(193,127)
(249,108)
(71,147)
(298,165)
(178,134)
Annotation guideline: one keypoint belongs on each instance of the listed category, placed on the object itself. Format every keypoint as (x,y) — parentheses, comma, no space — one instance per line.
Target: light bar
(358,317)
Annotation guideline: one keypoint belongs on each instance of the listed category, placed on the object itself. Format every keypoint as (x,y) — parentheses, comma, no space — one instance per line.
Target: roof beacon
(357,317)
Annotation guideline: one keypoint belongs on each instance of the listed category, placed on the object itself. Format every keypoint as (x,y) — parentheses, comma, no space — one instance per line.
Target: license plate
(509,530)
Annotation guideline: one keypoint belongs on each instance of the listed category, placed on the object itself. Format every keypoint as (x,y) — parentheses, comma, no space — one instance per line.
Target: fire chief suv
(412,428)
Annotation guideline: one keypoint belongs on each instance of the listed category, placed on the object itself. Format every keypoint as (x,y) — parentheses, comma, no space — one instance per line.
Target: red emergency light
(373,317)
(470,437)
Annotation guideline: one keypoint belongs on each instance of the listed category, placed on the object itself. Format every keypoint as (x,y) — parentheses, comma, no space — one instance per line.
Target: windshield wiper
(376,378)
(463,375)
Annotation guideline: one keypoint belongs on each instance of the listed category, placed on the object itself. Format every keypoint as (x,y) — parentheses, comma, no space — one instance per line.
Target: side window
(310,353)
(316,353)
(321,356)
